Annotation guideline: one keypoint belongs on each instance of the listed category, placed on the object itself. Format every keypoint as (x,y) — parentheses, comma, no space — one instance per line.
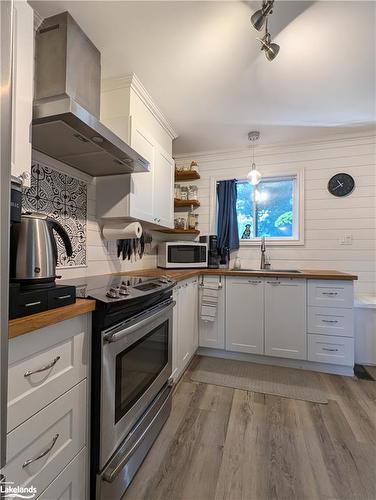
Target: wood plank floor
(228,444)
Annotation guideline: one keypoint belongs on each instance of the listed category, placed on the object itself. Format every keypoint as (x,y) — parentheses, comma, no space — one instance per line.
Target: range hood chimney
(66,106)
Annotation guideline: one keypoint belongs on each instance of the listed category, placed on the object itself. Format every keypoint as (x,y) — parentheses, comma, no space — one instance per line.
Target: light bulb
(254,176)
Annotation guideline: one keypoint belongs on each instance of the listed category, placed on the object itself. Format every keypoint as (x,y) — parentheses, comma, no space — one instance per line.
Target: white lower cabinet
(212,333)
(285,318)
(245,315)
(185,333)
(48,401)
(40,448)
(69,484)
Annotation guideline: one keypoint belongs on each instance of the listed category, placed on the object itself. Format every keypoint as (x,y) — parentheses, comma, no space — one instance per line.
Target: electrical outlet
(347,239)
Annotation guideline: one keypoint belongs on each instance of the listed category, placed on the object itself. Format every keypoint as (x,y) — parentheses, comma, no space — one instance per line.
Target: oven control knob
(124,290)
(113,293)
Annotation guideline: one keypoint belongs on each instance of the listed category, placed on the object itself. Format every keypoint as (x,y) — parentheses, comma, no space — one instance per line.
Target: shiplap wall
(326,218)
(101,254)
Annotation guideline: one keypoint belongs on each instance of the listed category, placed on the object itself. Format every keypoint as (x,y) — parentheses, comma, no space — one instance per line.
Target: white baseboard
(270,360)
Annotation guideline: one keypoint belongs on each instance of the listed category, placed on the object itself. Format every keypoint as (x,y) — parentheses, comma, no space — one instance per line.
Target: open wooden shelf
(179,231)
(186,203)
(186,175)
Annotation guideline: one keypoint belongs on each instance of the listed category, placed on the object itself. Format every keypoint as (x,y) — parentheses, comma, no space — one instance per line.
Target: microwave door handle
(115,337)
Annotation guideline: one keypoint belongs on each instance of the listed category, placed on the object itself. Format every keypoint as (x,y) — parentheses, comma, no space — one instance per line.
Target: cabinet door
(245,315)
(184,343)
(175,335)
(164,171)
(22,85)
(193,314)
(141,192)
(285,318)
(69,484)
(212,333)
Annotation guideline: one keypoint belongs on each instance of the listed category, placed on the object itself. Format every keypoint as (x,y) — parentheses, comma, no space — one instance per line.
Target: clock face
(341,185)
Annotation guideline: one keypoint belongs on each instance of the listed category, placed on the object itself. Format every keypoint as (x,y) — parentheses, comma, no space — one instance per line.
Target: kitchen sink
(269,270)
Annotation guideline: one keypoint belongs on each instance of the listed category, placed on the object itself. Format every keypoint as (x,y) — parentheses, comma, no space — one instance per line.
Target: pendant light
(254,176)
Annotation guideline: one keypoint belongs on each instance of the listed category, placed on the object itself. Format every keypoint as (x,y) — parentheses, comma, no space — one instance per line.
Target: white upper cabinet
(245,315)
(163,188)
(128,110)
(22,87)
(141,202)
(285,318)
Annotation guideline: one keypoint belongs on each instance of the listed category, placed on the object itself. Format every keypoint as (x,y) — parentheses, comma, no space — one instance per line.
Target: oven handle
(115,337)
(110,475)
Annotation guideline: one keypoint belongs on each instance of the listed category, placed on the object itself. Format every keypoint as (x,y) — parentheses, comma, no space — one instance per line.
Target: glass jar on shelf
(194,166)
(192,219)
(184,193)
(177,192)
(180,223)
(193,192)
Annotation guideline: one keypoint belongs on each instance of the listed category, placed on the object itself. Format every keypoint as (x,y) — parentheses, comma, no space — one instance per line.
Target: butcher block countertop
(46,318)
(182,274)
(33,322)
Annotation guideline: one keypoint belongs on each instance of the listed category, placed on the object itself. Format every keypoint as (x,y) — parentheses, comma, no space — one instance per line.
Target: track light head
(258,18)
(270,48)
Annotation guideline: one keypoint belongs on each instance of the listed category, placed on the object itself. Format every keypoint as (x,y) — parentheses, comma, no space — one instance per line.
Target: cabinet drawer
(330,321)
(330,349)
(330,293)
(69,484)
(38,376)
(40,448)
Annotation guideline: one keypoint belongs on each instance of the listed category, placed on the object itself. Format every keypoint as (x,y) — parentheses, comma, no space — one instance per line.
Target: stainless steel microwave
(177,254)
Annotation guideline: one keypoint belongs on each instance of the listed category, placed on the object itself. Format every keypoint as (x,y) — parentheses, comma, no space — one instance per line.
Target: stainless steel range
(131,370)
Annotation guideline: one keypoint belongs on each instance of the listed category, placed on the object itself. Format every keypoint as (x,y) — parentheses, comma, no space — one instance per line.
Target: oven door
(136,364)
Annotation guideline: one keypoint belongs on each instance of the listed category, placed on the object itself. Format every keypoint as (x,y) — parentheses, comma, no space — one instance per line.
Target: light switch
(347,239)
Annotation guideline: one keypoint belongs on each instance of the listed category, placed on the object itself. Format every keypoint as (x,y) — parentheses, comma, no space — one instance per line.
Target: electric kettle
(34,251)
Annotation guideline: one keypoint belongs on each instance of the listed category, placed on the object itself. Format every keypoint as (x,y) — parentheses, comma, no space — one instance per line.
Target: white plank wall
(326,218)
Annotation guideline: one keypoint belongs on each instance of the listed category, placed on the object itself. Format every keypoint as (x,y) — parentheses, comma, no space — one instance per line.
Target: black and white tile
(63,198)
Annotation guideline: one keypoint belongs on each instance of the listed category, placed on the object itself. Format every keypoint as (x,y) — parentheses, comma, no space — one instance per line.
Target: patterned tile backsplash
(63,198)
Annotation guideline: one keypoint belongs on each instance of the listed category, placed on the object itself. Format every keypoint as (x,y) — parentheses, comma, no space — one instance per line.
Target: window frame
(298,206)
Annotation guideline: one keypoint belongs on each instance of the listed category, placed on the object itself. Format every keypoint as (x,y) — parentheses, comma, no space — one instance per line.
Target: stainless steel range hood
(66,107)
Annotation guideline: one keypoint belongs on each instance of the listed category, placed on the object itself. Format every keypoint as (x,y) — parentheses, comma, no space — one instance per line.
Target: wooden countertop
(182,274)
(33,322)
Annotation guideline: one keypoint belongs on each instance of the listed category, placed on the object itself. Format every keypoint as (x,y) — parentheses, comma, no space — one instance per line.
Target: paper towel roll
(122,231)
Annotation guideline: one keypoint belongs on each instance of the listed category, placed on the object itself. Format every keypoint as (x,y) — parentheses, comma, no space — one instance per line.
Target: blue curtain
(227,226)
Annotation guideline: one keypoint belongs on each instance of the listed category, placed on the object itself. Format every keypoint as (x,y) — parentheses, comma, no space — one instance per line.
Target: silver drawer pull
(329,320)
(330,350)
(44,368)
(254,282)
(30,304)
(63,297)
(43,454)
(330,293)
(274,283)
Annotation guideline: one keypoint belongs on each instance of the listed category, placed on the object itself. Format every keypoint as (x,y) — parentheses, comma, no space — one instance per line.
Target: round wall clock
(341,185)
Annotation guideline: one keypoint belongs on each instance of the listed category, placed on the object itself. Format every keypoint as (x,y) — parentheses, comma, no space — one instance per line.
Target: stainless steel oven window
(138,366)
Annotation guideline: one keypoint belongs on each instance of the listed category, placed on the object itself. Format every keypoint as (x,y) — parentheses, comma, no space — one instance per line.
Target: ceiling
(202,64)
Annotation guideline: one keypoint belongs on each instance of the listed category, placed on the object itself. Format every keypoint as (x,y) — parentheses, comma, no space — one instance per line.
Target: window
(269,209)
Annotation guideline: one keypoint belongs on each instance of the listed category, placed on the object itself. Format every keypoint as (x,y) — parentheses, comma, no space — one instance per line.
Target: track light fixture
(258,19)
(254,176)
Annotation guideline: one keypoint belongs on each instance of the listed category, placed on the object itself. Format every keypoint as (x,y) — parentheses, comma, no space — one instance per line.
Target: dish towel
(209,302)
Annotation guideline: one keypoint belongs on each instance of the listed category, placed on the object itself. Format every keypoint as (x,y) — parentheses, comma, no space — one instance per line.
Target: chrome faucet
(264,264)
